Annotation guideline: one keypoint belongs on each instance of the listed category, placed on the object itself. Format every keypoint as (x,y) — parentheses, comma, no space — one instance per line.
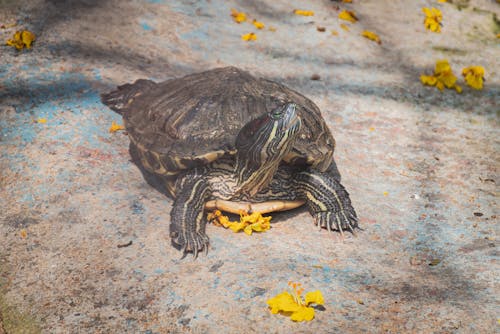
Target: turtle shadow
(154,180)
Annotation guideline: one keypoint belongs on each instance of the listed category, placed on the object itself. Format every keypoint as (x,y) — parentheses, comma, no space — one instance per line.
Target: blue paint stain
(146,26)
(159,271)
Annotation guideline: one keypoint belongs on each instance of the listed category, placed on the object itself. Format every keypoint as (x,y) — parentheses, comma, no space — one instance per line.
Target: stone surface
(421,167)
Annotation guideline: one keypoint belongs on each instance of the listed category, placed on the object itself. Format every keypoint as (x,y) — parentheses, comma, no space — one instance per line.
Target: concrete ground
(421,167)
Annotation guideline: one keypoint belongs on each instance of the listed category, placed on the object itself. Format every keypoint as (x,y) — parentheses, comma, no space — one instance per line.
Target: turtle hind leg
(156,181)
(327,200)
(187,221)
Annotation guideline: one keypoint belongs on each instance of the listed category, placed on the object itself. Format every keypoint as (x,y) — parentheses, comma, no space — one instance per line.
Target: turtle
(225,139)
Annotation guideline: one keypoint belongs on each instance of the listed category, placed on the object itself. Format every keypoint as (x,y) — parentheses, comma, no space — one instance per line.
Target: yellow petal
(23,233)
(41,120)
(238,17)
(344,26)
(303,12)
(433,18)
(303,314)
(371,35)
(258,25)
(474,76)
(335,33)
(442,66)
(440,85)
(248,230)
(116,127)
(283,302)
(249,37)
(314,297)
(236,227)
(27,37)
(448,79)
(458,89)
(347,15)
(428,80)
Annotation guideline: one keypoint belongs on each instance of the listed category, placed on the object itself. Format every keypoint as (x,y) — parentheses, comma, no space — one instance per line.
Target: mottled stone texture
(421,167)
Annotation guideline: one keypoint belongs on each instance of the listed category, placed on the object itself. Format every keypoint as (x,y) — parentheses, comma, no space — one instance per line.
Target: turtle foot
(191,242)
(343,220)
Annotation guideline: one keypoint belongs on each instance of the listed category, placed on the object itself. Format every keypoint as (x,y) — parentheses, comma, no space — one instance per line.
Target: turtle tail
(119,99)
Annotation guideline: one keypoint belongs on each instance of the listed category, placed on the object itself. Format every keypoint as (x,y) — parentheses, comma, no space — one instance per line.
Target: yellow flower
(41,120)
(445,74)
(23,233)
(293,304)
(443,77)
(344,26)
(249,37)
(433,18)
(116,127)
(347,15)
(238,17)
(442,1)
(254,222)
(429,80)
(22,39)
(258,25)
(474,76)
(303,12)
(371,35)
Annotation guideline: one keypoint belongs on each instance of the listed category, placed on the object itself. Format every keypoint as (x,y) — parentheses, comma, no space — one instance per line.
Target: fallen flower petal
(293,304)
(428,80)
(27,37)
(238,17)
(371,35)
(344,26)
(41,120)
(348,15)
(23,233)
(303,12)
(254,222)
(22,39)
(249,37)
(258,25)
(443,77)
(433,18)
(315,297)
(474,76)
(116,127)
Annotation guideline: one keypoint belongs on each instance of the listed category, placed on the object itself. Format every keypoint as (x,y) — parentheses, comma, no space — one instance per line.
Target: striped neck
(261,145)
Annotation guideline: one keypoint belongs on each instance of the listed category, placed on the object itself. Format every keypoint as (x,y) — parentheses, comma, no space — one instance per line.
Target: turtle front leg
(327,200)
(187,223)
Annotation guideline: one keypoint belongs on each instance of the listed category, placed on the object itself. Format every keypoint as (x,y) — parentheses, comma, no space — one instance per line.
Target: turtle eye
(277,113)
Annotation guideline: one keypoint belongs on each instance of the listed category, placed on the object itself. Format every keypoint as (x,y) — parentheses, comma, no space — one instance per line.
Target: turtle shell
(185,122)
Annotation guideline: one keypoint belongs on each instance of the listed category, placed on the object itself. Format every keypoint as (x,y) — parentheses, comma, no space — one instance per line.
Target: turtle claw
(194,243)
(339,221)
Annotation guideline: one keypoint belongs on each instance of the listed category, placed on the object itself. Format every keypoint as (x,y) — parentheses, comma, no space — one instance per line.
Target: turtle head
(261,145)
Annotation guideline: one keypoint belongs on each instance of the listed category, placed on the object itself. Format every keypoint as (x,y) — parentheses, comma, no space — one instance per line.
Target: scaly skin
(327,200)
